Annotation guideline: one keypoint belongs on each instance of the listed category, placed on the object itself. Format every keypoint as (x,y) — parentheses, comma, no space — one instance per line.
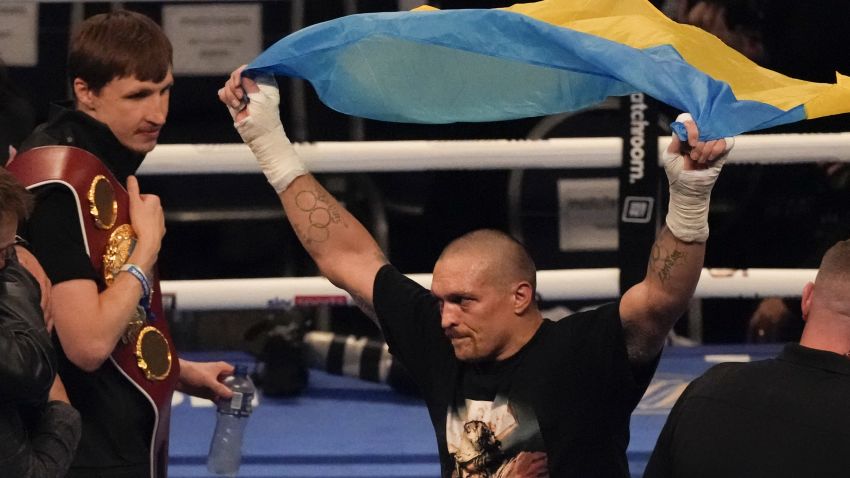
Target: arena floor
(344,427)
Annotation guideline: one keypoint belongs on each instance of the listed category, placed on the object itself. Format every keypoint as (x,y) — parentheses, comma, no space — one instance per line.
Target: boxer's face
(476,311)
(134,110)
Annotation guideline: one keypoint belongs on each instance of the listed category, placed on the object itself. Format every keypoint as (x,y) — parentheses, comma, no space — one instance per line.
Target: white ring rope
(571,284)
(557,153)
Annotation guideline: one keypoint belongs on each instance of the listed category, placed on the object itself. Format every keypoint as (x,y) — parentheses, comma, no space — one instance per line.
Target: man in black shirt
(509,393)
(783,417)
(120,68)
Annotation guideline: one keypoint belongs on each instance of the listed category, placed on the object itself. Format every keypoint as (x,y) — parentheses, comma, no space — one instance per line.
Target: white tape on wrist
(263,132)
(690,194)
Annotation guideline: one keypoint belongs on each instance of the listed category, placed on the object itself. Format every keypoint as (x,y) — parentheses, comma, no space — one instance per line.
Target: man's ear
(806,301)
(85,97)
(523,297)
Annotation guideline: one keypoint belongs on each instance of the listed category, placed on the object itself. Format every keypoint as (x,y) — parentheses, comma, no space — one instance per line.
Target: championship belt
(145,354)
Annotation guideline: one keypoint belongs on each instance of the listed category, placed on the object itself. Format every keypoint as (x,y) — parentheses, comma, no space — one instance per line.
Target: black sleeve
(47,448)
(28,363)
(598,347)
(56,237)
(632,379)
(54,440)
(409,317)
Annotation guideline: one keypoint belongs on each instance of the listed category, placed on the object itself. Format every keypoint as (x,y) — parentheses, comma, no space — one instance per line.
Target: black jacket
(37,438)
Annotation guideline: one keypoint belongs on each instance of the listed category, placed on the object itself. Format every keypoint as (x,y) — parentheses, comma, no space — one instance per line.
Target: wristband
(136,271)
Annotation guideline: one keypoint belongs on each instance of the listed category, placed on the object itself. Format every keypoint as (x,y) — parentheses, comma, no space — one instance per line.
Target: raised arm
(341,246)
(649,309)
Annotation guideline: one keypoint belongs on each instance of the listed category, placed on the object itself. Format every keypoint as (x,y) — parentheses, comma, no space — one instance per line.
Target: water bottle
(232,416)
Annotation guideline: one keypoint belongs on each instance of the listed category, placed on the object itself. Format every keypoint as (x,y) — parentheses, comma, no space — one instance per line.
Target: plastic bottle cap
(240,370)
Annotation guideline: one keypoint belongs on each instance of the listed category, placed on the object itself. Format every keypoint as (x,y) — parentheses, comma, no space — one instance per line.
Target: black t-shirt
(569,392)
(780,418)
(117,420)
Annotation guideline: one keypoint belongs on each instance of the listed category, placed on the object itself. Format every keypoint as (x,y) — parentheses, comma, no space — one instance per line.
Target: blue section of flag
(486,65)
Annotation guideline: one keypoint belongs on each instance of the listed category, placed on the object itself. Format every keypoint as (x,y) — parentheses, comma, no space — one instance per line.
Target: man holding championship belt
(99,244)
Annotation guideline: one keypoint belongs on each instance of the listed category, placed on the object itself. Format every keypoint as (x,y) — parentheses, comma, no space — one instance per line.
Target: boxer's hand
(148,221)
(692,168)
(258,122)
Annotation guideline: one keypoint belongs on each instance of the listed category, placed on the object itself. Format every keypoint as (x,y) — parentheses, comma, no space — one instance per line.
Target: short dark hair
(119,44)
(511,251)
(14,199)
(835,265)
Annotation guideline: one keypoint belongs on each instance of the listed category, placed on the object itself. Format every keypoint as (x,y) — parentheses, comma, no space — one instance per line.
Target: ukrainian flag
(534,59)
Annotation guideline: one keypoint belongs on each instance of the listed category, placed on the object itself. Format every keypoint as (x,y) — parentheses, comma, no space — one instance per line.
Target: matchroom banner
(638,187)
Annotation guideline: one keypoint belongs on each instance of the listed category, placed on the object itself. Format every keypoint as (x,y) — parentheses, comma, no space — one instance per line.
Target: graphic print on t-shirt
(485,439)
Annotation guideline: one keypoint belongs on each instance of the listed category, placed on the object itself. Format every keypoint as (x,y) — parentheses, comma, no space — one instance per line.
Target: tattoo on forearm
(663,261)
(322,211)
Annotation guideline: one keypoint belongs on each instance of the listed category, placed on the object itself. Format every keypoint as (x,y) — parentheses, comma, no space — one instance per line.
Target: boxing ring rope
(557,153)
(552,285)
(560,153)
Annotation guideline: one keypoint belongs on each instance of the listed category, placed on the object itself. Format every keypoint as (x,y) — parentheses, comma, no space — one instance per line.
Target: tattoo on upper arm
(322,211)
(662,261)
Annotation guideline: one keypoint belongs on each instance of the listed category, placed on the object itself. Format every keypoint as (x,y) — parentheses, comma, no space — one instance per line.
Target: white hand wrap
(263,132)
(690,194)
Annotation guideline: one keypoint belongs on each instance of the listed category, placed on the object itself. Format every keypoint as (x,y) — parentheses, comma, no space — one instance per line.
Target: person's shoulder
(729,376)
(391,285)
(42,135)
(590,317)
(62,128)
(595,325)
(389,271)
(389,277)
(57,209)
(725,370)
